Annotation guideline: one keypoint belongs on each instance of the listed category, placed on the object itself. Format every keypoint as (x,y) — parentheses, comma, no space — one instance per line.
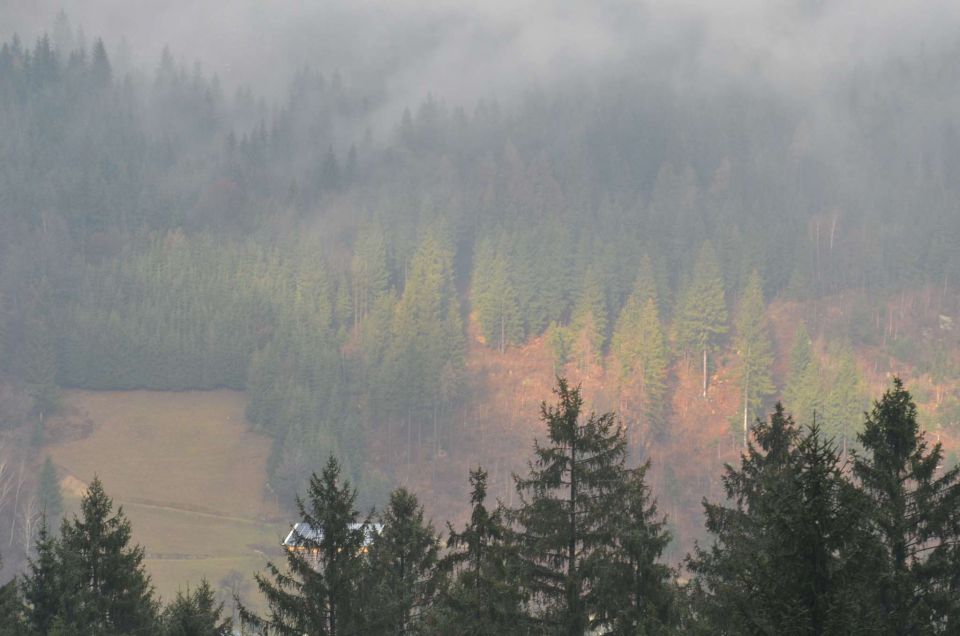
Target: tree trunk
(502,332)
(745,405)
(704,372)
(573,587)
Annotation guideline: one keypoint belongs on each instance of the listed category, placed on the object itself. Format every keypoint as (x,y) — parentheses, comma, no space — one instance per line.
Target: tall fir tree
(370,273)
(802,394)
(427,335)
(115,594)
(754,351)
(843,402)
(40,368)
(41,585)
(560,343)
(484,596)
(318,593)
(624,342)
(402,576)
(589,320)
(571,513)
(495,299)
(91,580)
(914,511)
(634,593)
(641,350)
(701,317)
(49,494)
(100,69)
(789,554)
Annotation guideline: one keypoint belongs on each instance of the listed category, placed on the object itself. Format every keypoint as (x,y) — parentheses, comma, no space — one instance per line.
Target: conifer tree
(48,490)
(329,172)
(589,320)
(570,514)
(914,511)
(11,610)
(634,593)
(196,613)
(40,367)
(790,552)
(754,350)
(625,334)
(104,584)
(701,317)
(495,299)
(544,272)
(317,593)
(427,332)
(370,273)
(485,596)
(100,71)
(843,402)
(402,580)
(41,586)
(559,341)
(90,580)
(641,349)
(802,393)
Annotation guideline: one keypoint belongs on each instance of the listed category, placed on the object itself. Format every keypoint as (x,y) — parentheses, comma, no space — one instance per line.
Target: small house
(304,536)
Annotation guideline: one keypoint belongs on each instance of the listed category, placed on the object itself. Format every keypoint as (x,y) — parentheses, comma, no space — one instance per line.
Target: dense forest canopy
(335,246)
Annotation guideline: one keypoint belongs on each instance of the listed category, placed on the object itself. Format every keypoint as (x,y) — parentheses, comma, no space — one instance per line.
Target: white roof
(303,532)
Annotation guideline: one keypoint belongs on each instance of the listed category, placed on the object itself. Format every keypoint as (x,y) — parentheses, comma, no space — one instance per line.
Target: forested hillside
(690,255)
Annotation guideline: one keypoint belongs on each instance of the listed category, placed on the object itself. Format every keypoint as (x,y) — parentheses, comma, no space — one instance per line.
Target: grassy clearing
(188,472)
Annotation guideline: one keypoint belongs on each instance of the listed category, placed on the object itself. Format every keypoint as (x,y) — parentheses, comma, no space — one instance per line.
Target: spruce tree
(370,273)
(843,402)
(754,351)
(641,349)
(105,589)
(12,621)
(913,511)
(790,552)
(427,334)
(317,593)
(40,368)
(625,343)
(402,579)
(633,592)
(485,596)
(558,339)
(48,491)
(589,320)
(495,299)
(701,317)
(196,613)
(42,587)
(802,394)
(570,514)
(100,71)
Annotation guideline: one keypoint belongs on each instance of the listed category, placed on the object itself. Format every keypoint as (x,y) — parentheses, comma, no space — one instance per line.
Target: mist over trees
(159,233)
(343,240)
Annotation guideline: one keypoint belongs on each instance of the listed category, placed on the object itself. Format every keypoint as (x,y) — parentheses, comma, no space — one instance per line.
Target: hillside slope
(188,472)
(500,420)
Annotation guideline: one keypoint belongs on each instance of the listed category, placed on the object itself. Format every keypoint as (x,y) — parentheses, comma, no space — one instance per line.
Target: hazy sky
(799,52)
(461,50)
